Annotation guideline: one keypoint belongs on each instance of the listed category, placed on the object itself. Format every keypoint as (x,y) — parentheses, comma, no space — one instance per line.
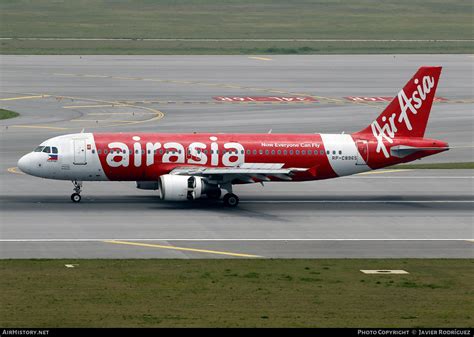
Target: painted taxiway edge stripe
(14,170)
(180,248)
(384,171)
(218,240)
(355,201)
(91,106)
(23,97)
(260,58)
(37,127)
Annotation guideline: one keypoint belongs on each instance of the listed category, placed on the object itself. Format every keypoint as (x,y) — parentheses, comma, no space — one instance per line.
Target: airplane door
(363,152)
(80,152)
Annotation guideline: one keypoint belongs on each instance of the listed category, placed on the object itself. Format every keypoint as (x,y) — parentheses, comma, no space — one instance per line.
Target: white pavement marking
(71,265)
(384,271)
(217,240)
(358,176)
(355,201)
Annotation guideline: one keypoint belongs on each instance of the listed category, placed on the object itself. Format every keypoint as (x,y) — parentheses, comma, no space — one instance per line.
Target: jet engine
(177,188)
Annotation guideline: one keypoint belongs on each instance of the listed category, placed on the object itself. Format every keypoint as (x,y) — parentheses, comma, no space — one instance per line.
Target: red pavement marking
(263,99)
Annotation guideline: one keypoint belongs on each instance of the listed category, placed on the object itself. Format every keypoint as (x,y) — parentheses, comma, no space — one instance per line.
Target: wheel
(214,194)
(75,197)
(231,200)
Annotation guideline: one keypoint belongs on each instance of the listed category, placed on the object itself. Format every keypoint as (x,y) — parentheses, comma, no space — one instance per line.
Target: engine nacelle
(147,185)
(177,188)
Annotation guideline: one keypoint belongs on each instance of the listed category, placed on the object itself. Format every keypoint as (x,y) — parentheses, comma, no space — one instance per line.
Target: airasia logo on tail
(408,106)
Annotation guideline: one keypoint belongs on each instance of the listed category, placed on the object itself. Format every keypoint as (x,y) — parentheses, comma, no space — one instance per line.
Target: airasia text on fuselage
(197,153)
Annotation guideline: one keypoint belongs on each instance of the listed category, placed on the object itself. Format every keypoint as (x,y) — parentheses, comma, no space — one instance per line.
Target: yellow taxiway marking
(180,248)
(121,113)
(14,170)
(23,97)
(260,58)
(90,106)
(99,76)
(100,120)
(37,127)
(384,171)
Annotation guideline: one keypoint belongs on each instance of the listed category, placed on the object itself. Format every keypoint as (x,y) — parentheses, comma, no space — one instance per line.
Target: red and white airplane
(190,166)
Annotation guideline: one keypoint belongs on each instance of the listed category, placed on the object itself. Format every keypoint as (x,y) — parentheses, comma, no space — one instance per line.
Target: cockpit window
(47,149)
(39,149)
(55,149)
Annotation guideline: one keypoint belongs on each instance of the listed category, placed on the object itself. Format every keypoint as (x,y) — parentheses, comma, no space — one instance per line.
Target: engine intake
(177,188)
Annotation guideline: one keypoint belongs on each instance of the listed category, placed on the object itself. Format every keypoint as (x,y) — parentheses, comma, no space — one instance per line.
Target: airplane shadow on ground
(359,203)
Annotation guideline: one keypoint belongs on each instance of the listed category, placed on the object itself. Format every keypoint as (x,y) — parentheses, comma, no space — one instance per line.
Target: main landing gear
(76,196)
(230,199)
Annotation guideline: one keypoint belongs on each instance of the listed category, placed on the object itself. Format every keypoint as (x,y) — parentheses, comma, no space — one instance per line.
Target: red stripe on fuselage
(258,148)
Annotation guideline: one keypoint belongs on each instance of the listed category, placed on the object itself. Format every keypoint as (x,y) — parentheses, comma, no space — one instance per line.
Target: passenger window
(291,152)
(254,151)
(248,151)
(267,152)
(321,152)
(105,151)
(161,151)
(303,152)
(273,152)
(260,151)
(328,152)
(340,152)
(98,151)
(279,152)
(333,152)
(47,149)
(93,151)
(285,152)
(297,152)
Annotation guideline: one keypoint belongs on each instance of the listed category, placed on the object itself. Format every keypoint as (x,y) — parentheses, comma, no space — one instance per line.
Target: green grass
(5,114)
(436,166)
(246,19)
(236,293)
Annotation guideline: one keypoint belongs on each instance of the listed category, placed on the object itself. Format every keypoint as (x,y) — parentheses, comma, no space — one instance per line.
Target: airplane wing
(247,172)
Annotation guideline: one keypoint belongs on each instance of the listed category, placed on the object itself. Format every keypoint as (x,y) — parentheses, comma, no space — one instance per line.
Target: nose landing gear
(76,196)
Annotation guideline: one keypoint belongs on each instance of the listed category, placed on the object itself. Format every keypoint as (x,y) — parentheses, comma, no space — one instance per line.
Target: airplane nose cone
(25,163)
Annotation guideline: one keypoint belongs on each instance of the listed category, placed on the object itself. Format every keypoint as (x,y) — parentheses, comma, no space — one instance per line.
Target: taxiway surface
(422,213)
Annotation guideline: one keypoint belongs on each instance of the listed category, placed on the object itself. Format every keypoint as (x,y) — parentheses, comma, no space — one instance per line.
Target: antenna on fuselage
(82,131)
(270,131)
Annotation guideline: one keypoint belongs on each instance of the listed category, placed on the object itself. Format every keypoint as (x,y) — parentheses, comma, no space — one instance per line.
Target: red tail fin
(407,114)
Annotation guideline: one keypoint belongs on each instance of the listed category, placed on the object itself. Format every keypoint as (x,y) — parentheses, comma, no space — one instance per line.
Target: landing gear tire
(214,194)
(231,200)
(75,197)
